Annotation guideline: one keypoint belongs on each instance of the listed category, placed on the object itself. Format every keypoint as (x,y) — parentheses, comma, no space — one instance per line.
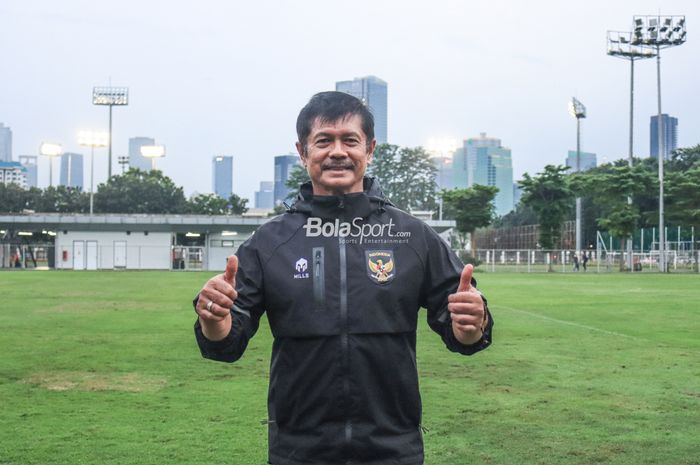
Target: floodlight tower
(578,111)
(110,96)
(620,46)
(656,33)
(92,139)
(51,151)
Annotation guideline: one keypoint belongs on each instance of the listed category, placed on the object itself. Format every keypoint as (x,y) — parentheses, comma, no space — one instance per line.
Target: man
(342,276)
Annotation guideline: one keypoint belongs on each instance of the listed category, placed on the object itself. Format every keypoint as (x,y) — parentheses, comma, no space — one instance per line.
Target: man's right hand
(215,301)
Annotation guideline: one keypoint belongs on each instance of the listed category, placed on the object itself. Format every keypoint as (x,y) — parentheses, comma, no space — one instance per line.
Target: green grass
(102,368)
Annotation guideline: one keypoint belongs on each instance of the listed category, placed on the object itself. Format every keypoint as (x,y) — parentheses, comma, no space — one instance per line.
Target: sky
(217,77)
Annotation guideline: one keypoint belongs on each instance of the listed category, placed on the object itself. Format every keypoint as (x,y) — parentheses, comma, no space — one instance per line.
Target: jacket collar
(347,206)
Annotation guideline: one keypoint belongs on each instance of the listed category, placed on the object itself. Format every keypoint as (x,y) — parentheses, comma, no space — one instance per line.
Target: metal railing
(567,261)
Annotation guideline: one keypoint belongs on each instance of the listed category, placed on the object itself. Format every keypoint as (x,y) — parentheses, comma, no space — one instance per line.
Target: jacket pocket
(319,278)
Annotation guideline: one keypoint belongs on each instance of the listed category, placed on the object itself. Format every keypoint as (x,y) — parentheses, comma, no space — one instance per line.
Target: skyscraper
(136,160)
(283,168)
(669,134)
(264,198)
(29,162)
(586,162)
(72,170)
(488,163)
(373,93)
(222,175)
(5,143)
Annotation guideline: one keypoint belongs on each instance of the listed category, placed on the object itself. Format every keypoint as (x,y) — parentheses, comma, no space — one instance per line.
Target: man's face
(336,156)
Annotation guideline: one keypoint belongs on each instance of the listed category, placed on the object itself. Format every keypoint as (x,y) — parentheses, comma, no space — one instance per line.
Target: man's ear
(302,153)
(370,155)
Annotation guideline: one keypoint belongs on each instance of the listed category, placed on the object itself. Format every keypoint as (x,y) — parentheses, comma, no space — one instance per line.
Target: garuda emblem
(380,265)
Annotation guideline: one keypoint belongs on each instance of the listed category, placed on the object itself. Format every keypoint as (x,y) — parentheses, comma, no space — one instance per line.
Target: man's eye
(323,141)
(352,141)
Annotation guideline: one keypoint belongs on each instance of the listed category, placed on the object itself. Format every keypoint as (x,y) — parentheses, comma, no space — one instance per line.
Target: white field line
(569,323)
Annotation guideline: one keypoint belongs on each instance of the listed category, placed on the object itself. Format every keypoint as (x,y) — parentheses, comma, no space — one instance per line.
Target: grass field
(102,368)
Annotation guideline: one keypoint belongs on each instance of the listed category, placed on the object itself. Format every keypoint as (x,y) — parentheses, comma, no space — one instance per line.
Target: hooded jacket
(342,279)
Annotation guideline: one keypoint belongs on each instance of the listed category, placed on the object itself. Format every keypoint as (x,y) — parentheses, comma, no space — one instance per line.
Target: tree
(549,195)
(682,192)
(60,199)
(206,204)
(407,176)
(297,177)
(610,190)
(13,199)
(139,191)
(236,205)
(471,208)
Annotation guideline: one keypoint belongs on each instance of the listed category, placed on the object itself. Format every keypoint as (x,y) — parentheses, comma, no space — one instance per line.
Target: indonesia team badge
(380,266)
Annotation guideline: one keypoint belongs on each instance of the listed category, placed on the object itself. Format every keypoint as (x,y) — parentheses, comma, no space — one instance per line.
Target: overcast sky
(228,78)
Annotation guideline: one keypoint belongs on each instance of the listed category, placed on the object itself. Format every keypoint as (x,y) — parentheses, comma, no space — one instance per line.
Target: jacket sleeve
(442,273)
(245,314)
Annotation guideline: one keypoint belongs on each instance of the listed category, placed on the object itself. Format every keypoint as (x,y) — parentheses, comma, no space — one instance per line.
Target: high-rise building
(283,168)
(485,161)
(5,143)
(587,161)
(72,170)
(669,134)
(444,177)
(12,172)
(373,93)
(30,164)
(265,198)
(222,175)
(136,160)
(517,194)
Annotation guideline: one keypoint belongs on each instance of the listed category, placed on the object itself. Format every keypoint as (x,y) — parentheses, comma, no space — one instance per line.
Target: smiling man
(342,276)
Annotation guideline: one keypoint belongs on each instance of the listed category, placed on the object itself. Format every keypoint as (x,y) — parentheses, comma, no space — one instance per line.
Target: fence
(567,261)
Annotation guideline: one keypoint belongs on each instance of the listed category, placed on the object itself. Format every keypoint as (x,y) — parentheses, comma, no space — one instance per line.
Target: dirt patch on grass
(88,381)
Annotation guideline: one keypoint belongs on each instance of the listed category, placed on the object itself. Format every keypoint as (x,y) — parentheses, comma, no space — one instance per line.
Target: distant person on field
(584,260)
(342,276)
(574,257)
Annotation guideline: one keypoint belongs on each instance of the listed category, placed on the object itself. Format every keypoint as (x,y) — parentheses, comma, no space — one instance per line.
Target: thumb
(231,269)
(465,281)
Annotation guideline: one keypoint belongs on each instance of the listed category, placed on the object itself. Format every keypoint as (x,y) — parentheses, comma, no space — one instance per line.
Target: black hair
(332,106)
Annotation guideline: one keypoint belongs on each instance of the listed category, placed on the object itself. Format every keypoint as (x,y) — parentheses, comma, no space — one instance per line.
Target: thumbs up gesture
(466,308)
(218,294)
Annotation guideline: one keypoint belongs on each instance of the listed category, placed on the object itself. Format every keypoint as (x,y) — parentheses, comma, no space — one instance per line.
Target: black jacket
(342,280)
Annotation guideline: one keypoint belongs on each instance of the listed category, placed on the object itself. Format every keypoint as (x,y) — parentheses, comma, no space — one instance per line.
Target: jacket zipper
(345,351)
(319,278)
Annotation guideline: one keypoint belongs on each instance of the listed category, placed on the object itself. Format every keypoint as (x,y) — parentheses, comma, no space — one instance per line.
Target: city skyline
(188,92)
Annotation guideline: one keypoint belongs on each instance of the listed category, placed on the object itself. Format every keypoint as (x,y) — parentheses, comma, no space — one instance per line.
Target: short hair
(332,106)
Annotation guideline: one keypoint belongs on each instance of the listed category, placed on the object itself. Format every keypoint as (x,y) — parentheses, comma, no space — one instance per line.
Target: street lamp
(50,150)
(110,96)
(578,111)
(656,33)
(153,152)
(620,46)
(92,139)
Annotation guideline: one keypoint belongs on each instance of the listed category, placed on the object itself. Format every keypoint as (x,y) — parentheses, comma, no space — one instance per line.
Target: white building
(12,172)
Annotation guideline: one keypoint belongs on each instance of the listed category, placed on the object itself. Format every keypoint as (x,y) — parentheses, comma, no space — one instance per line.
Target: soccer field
(102,368)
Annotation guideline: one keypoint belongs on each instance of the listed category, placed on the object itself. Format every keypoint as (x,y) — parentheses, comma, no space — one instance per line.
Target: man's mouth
(339,167)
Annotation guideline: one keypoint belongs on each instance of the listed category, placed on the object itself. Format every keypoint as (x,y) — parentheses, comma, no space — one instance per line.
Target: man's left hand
(467,310)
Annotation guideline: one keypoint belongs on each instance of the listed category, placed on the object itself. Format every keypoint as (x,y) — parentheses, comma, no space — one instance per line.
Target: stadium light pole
(51,151)
(92,139)
(110,96)
(657,33)
(153,152)
(620,46)
(578,111)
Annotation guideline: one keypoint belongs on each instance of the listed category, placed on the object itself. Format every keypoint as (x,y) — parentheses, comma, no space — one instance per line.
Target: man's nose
(337,149)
